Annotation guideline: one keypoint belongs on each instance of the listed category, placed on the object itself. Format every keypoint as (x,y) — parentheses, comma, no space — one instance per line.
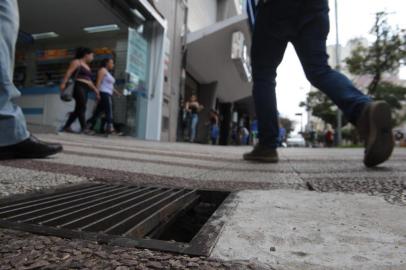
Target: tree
(322,107)
(385,56)
(287,124)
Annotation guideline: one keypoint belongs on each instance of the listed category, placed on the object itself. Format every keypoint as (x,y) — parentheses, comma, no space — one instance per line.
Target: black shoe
(89,132)
(263,154)
(375,129)
(68,130)
(30,148)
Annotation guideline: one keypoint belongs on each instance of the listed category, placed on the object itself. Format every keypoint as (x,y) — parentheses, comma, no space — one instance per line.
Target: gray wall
(174,13)
(202,13)
(227,9)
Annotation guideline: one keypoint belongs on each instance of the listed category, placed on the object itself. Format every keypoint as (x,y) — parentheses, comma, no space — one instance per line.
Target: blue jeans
(304,23)
(193,126)
(13,128)
(214,133)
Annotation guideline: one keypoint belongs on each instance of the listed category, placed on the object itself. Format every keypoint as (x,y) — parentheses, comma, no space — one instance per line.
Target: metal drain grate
(114,214)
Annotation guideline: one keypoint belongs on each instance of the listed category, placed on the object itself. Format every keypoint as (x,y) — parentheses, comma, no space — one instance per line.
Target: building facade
(157,45)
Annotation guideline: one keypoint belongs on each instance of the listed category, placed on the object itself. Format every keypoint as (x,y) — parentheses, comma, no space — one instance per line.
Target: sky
(356,18)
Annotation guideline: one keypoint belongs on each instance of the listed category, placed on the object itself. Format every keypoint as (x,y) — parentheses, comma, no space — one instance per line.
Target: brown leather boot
(262,154)
(375,129)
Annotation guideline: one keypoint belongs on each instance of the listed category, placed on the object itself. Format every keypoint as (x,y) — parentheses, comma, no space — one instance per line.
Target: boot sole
(11,155)
(380,142)
(261,159)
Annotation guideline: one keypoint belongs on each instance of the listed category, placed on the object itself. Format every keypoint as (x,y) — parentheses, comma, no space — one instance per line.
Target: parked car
(296,141)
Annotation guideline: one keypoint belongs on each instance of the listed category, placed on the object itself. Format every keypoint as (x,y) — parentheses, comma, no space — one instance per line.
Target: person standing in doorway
(305,23)
(80,69)
(193,107)
(15,140)
(254,131)
(105,83)
(214,123)
(329,137)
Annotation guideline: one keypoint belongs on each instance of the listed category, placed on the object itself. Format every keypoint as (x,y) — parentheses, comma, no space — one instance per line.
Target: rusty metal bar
(76,208)
(34,206)
(115,214)
(117,217)
(141,229)
(36,211)
(37,199)
(121,227)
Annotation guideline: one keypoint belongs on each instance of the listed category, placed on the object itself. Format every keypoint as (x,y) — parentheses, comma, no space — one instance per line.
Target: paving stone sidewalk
(125,160)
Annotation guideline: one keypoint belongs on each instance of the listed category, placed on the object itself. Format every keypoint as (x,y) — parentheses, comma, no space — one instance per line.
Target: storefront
(130,31)
(220,74)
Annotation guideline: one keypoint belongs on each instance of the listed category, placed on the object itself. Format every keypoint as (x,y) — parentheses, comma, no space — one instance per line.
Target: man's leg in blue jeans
(372,119)
(12,122)
(306,25)
(310,46)
(266,54)
(15,140)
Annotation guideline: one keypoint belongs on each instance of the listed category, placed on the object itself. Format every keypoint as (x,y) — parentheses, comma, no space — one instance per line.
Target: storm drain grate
(132,216)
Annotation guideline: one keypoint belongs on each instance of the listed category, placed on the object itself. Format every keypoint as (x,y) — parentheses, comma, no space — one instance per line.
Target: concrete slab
(252,176)
(308,230)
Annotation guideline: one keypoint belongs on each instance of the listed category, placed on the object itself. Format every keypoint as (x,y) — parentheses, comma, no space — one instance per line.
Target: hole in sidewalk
(189,223)
(175,220)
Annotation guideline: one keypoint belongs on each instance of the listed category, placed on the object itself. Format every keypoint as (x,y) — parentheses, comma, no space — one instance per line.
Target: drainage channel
(175,220)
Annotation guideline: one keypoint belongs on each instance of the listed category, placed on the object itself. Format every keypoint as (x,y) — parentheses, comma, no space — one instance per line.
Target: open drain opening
(176,220)
(187,224)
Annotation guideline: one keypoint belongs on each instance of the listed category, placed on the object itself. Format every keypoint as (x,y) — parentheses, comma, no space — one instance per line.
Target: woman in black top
(193,107)
(80,68)
(214,126)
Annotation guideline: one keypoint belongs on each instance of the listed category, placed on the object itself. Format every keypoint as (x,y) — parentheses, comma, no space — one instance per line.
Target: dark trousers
(105,105)
(80,96)
(304,23)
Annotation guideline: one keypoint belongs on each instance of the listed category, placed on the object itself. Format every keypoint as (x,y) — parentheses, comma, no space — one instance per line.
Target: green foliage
(385,56)
(322,107)
(288,124)
(391,93)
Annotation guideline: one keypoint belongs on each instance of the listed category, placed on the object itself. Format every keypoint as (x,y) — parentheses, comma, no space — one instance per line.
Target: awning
(209,58)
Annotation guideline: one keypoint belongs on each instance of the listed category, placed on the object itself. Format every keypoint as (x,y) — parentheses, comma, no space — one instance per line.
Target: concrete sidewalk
(305,230)
(316,209)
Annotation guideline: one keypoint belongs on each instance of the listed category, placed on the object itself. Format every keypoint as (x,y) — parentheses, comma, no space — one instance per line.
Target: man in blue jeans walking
(15,140)
(305,23)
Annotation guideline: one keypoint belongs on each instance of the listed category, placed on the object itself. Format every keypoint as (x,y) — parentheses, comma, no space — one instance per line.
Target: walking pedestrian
(329,137)
(254,131)
(15,140)
(245,135)
(193,107)
(80,69)
(305,23)
(214,127)
(105,83)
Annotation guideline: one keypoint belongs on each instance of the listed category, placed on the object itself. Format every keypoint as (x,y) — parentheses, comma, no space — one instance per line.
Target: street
(316,209)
